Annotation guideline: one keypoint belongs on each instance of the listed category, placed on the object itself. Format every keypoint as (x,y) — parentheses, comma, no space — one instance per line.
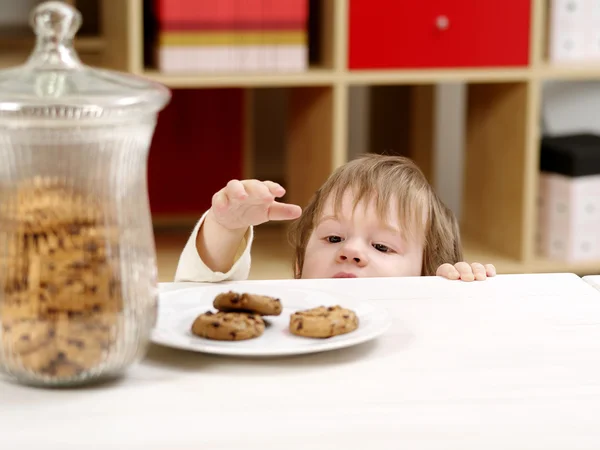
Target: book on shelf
(199,36)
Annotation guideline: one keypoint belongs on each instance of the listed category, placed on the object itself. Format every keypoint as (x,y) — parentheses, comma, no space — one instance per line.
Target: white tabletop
(510,363)
(594,280)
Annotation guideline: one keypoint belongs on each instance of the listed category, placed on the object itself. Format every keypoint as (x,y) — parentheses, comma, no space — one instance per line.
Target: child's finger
(448,271)
(479,271)
(219,200)
(465,270)
(258,190)
(284,211)
(235,190)
(275,188)
(490,269)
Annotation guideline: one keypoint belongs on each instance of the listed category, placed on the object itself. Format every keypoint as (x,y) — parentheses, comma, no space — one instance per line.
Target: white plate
(178,309)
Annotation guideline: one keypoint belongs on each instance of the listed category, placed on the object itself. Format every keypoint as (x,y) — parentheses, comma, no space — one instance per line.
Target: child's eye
(382,248)
(333,239)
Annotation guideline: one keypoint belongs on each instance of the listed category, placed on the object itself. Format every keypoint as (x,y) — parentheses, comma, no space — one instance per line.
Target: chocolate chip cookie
(44,203)
(323,322)
(259,304)
(228,326)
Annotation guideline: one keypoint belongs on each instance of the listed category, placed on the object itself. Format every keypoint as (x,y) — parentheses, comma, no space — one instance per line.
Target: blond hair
(384,178)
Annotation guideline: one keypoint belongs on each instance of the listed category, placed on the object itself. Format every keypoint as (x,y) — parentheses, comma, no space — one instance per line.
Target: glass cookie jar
(78,277)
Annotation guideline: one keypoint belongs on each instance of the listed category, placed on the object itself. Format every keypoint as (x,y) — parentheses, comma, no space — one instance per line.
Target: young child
(375,216)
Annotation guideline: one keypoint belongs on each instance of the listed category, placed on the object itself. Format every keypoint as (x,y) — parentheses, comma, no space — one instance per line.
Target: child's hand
(465,271)
(241,204)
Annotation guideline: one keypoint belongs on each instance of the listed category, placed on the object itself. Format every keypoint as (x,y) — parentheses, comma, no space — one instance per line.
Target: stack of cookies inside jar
(61,298)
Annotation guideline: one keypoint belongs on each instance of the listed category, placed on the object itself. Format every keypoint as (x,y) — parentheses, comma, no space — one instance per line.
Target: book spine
(197,36)
(232,35)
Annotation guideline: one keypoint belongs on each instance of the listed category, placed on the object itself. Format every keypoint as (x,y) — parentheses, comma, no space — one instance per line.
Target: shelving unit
(503,115)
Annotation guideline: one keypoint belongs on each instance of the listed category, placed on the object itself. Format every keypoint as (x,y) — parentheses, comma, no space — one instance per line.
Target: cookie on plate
(228,326)
(323,322)
(259,304)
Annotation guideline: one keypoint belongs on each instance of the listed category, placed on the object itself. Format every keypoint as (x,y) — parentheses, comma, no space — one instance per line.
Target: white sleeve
(192,268)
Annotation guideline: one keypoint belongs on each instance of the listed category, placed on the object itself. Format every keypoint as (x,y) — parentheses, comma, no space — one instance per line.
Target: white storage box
(569,198)
(574,31)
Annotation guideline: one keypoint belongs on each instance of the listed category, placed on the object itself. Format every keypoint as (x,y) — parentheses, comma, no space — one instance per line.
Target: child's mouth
(344,275)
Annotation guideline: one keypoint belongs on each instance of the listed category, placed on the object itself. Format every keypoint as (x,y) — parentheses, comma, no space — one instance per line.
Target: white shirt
(192,268)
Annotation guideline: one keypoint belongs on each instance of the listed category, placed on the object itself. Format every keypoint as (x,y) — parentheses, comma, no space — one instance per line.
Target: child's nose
(349,253)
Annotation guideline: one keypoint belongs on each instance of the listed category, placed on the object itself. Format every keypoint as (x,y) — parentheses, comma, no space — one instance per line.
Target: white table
(510,363)
(594,280)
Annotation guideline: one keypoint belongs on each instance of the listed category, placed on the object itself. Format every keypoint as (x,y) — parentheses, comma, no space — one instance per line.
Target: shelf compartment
(310,141)
(293,37)
(196,149)
(496,167)
(288,131)
(401,122)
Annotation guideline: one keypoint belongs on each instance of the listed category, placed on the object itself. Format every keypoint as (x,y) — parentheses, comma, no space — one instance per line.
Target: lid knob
(55,24)
(55,19)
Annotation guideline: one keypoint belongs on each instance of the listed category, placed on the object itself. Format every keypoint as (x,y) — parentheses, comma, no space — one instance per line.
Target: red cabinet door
(504,27)
(389,33)
(438,33)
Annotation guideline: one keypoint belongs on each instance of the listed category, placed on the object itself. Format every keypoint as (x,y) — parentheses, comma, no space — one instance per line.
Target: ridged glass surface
(77,267)
(78,283)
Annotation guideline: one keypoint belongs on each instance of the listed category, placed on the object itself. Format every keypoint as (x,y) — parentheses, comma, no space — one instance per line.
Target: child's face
(360,244)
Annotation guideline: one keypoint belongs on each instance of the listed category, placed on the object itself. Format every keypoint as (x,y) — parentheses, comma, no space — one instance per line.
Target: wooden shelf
(23,40)
(89,44)
(433,76)
(313,77)
(570,72)
(316,77)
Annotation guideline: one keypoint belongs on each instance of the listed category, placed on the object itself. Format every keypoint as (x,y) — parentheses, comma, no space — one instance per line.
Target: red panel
(408,34)
(197,148)
(390,33)
(452,44)
(505,26)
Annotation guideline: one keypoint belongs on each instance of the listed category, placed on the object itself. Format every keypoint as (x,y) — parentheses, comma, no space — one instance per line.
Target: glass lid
(53,83)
